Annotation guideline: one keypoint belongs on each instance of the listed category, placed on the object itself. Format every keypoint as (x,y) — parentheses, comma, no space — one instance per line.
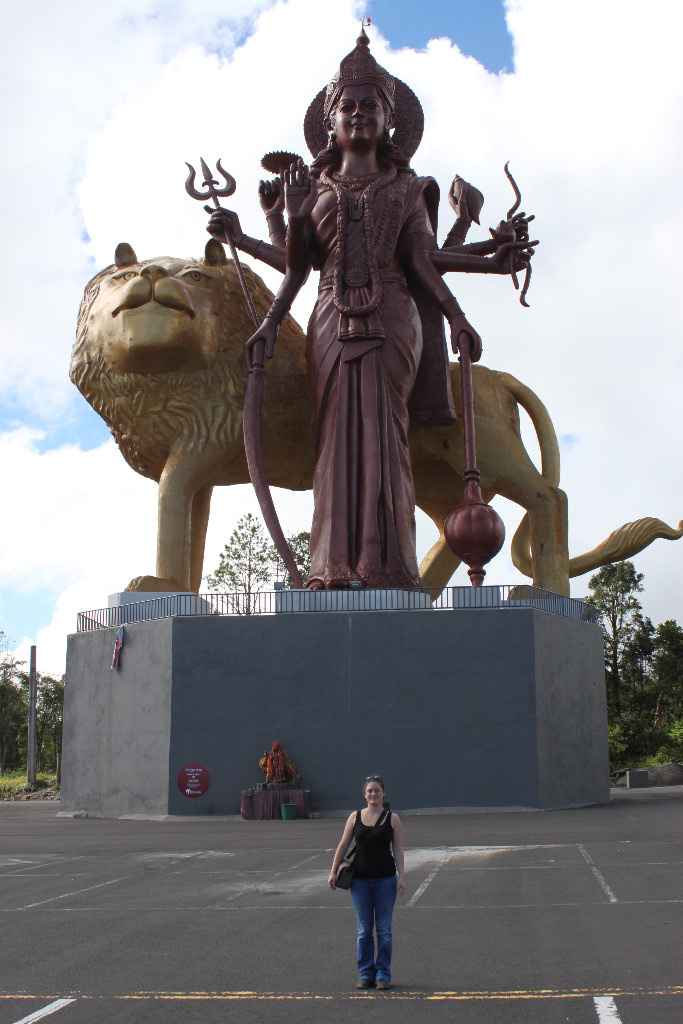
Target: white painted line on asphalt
(36,867)
(565,865)
(245,888)
(45,874)
(299,864)
(58,1004)
(643,864)
(599,877)
(606,1009)
(248,852)
(77,892)
(422,888)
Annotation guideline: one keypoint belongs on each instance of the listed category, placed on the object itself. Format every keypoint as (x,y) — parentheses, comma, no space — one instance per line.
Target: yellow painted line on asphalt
(454,996)
(329,907)
(517,995)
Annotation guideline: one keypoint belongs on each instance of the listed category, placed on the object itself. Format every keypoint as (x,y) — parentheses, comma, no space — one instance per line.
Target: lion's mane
(148,413)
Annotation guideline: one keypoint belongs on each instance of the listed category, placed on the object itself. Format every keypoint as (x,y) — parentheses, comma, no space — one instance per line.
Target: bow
(252,421)
(252,418)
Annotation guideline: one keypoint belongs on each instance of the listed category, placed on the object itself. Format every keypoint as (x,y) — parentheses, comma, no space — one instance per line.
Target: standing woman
(379,836)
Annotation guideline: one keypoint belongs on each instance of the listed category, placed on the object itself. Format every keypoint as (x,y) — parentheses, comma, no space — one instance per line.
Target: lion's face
(159,353)
(158,315)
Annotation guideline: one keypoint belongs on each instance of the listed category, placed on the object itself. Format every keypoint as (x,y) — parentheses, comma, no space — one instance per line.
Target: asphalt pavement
(534,917)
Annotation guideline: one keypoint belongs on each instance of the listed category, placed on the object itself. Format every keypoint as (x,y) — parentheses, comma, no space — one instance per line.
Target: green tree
(300,543)
(667,667)
(637,719)
(49,722)
(617,747)
(249,564)
(245,567)
(13,716)
(644,670)
(637,653)
(652,673)
(613,592)
(671,748)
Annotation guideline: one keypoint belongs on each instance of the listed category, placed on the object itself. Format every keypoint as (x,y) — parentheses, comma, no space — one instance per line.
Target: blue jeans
(373,901)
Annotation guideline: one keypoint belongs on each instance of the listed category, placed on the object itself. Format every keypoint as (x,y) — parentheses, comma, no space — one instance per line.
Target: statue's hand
(503,233)
(462,332)
(262,342)
(514,229)
(271,196)
(300,191)
(511,256)
(225,225)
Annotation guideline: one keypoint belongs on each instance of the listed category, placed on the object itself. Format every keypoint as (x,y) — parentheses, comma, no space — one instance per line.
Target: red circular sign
(193,780)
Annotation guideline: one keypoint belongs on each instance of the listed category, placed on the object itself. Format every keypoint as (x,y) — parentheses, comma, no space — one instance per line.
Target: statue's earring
(331,139)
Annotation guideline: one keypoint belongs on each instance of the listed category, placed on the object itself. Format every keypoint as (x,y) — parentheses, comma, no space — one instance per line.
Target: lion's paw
(153,585)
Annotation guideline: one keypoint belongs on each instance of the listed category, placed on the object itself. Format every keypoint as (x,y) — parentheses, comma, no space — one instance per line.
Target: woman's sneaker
(382,984)
(365,983)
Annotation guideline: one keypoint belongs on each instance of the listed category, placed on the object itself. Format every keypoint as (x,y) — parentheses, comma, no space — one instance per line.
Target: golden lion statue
(159,354)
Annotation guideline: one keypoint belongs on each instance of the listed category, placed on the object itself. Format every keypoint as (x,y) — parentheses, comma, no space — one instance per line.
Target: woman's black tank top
(374,858)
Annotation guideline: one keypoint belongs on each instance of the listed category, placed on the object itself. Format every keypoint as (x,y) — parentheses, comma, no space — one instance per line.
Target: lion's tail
(550,462)
(625,542)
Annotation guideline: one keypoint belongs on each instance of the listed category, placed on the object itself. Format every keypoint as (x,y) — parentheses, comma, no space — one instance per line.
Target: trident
(213,192)
(253,399)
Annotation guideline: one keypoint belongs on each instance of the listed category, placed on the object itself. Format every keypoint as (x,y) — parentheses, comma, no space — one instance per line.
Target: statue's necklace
(355,182)
(356,208)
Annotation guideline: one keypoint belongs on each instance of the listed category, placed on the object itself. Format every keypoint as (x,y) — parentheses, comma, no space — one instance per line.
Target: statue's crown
(360,68)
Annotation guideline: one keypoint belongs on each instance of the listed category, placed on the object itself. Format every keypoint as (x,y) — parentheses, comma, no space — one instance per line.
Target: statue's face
(359,118)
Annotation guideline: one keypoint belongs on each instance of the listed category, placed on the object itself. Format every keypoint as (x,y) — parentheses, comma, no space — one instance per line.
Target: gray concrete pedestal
(475,708)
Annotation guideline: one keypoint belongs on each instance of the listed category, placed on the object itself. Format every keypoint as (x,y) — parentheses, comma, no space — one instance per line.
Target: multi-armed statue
(376,347)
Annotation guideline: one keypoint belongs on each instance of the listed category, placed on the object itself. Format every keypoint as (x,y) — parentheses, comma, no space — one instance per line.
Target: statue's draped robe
(363,366)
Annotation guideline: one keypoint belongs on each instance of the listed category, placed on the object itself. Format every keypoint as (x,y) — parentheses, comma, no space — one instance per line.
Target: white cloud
(64,71)
(92,518)
(591,122)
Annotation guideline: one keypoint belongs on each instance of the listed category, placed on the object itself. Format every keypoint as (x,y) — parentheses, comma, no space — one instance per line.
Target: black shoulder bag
(345,871)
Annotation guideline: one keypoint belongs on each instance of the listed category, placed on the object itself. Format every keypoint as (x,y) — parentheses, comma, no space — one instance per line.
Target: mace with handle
(474,531)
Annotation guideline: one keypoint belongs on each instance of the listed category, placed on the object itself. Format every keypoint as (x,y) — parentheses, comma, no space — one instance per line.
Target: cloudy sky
(104,103)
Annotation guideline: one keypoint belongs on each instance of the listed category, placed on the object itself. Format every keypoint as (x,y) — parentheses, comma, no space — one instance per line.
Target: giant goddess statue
(376,347)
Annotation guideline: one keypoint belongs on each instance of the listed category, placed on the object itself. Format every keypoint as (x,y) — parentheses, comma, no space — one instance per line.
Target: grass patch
(13,784)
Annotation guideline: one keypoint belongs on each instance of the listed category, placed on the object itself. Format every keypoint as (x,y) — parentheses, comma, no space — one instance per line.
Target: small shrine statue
(376,347)
(276,766)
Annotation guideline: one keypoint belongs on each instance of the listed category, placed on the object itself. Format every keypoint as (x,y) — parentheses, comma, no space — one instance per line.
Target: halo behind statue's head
(360,68)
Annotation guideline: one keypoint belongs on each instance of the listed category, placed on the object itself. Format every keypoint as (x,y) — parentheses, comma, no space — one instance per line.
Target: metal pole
(31,745)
